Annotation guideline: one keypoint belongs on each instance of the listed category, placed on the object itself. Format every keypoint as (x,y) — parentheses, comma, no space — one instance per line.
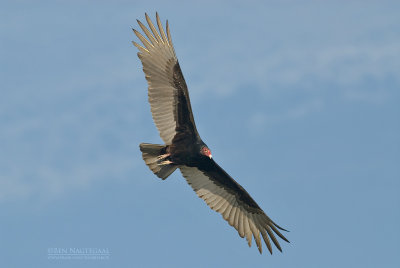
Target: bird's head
(205,151)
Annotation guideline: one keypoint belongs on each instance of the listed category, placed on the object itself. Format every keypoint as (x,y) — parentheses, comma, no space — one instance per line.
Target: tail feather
(150,154)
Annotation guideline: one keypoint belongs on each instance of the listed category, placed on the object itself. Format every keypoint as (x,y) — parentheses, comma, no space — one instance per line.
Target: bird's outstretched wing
(224,195)
(168,94)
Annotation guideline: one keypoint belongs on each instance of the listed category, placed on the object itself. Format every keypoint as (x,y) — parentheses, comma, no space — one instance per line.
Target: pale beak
(210,156)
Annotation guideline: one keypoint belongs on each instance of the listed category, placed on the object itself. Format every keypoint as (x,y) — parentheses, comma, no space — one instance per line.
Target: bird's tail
(156,158)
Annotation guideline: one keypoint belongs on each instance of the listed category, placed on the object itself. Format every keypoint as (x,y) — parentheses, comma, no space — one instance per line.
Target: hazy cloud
(74,98)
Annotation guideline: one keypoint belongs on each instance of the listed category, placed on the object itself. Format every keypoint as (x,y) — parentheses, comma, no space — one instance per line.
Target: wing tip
(280,228)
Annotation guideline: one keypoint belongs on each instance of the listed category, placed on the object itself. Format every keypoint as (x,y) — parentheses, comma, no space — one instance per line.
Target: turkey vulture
(184,149)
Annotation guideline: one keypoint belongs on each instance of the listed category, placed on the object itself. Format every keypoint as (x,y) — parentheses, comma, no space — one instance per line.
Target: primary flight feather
(184,149)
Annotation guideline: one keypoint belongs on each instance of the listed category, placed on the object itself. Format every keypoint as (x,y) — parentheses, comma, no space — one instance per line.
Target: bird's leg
(166,162)
(163,156)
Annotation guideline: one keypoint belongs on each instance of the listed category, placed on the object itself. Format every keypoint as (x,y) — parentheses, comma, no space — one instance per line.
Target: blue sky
(298,101)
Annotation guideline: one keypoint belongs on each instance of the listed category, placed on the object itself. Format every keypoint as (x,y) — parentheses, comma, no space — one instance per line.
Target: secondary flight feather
(184,149)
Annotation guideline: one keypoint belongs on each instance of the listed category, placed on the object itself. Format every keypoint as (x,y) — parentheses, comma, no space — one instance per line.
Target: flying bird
(184,149)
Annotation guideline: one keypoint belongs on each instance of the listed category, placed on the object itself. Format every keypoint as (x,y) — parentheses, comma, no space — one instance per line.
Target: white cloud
(259,121)
(310,47)
(347,67)
(70,133)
